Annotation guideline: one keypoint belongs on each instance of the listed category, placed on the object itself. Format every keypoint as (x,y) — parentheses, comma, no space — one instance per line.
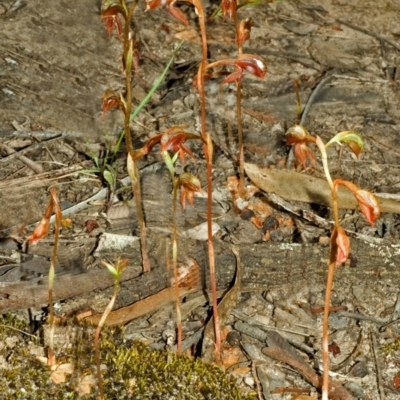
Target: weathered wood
(265,266)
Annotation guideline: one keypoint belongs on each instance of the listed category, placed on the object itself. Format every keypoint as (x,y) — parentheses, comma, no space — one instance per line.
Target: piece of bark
(336,391)
(292,185)
(265,266)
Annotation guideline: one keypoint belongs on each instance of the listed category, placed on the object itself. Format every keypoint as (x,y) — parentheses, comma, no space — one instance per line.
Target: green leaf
(352,139)
(129,56)
(111,269)
(109,177)
(157,83)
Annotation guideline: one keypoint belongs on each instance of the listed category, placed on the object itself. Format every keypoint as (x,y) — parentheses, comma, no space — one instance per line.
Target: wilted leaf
(177,13)
(91,225)
(85,384)
(59,372)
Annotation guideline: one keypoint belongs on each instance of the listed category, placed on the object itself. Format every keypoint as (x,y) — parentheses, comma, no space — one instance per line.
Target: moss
(390,348)
(133,371)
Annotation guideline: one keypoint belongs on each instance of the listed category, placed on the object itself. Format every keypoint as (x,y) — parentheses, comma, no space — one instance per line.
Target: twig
(361,317)
(396,311)
(368,32)
(257,382)
(352,354)
(311,100)
(27,161)
(263,378)
(336,391)
(190,341)
(314,95)
(378,367)
(20,331)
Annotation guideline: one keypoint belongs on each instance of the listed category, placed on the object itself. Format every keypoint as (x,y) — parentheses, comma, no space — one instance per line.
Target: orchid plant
(38,234)
(299,137)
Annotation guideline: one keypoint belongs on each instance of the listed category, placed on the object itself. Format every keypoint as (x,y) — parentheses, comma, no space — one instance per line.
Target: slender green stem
(97,336)
(175,266)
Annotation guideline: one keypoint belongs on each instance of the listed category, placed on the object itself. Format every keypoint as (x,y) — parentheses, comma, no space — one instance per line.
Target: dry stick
(27,161)
(208,150)
(12,154)
(378,368)
(367,32)
(337,392)
(304,114)
(128,137)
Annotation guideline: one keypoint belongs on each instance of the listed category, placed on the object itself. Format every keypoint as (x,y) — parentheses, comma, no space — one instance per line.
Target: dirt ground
(56,60)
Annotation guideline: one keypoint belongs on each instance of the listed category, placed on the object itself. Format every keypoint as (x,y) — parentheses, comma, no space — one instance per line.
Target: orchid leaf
(352,139)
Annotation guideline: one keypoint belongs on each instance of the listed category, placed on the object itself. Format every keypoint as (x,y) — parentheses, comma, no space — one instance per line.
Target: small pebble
(233,338)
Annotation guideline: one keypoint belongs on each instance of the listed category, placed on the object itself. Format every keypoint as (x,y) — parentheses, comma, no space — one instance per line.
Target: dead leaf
(59,372)
(241,371)
(292,185)
(86,384)
(187,34)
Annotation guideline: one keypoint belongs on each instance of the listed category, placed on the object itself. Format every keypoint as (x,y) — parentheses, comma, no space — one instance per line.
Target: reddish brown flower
(245,62)
(110,100)
(170,4)
(368,205)
(228,7)
(244,31)
(252,64)
(189,185)
(366,200)
(110,12)
(304,153)
(43,228)
(343,245)
(173,140)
